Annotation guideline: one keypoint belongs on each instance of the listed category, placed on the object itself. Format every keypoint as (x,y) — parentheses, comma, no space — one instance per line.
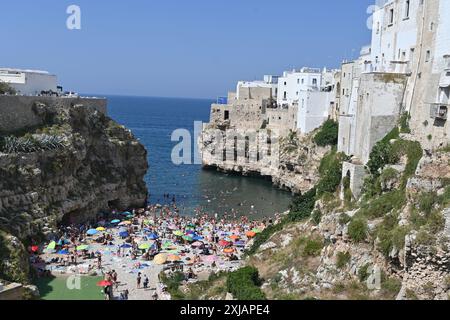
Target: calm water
(152,121)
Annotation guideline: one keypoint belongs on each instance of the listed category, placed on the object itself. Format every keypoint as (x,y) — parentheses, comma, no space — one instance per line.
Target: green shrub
(302,206)
(390,286)
(427,200)
(330,171)
(316,216)
(344,219)
(363,272)
(327,134)
(6,88)
(358,229)
(404,123)
(391,235)
(244,284)
(384,204)
(313,247)
(343,258)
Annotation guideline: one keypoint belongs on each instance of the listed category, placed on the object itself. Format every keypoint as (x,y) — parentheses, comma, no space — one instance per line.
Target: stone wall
(19,112)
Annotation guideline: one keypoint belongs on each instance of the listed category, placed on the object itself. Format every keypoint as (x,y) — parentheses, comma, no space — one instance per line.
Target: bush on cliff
(327,134)
(358,230)
(244,284)
(330,171)
(6,88)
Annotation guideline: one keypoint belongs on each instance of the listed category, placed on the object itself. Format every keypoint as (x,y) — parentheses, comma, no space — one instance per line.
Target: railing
(439,110)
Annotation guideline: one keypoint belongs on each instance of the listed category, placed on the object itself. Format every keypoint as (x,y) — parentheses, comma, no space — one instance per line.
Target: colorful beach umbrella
(178,233)
(256,230)
(234,237)
(144,246)
(197,244)
(34,248)
(83,247)
(153,236)
(63,252)
(167,245)
(250,234)
(126,213)
(115,221)
(173,258)
(188,238)
(91,232)
(101,229)
(51,246)
(124,223)
(126,246)
(224,243)
(228,250)
(104,283)
(160,259)
(123,234)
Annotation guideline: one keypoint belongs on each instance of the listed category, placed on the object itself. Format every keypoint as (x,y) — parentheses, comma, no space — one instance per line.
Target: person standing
(138,280)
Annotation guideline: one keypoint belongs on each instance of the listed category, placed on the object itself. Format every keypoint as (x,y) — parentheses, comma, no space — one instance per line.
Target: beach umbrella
(91,232)
(144,246)
(234,237)
(167,245)
(188,238)
(198,238)
(115,221)
(172,227)
(124,223)
(34,248)
(210,259)
(224,243)
(104,283)
(126,213)
(126,246)
(82,247)
(63,252)
(130,216)
(240,244)
(173,258)
(101,229)
(197,244)
(51,246)
(160,259)
(256,230)
(178,233)
(228,250)
(123,234)
(250,234)
(153,236)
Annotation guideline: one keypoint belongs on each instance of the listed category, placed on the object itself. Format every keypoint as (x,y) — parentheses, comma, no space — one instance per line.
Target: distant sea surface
(152,121)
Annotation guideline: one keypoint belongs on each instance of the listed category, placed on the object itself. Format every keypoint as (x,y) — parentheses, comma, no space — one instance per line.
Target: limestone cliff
(75,164)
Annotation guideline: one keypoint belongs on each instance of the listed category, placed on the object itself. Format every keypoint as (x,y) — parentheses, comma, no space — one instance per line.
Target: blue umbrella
(92,232)
(126,246)
(123,230)
(153,236)
(198,238)
(123,234)
(63,252)
(115,221)
(126,213)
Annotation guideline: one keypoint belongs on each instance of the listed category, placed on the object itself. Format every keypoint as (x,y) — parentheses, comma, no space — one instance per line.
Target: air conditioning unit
(439,111)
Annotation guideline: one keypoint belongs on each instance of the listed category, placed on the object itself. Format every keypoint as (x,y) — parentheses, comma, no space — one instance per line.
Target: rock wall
(99,167)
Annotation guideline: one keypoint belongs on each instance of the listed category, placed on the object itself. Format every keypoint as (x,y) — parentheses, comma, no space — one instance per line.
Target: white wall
(30,83)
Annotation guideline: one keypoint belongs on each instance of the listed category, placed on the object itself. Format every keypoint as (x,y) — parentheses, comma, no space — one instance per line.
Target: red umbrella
(224,243)
(104,283)
(34,248)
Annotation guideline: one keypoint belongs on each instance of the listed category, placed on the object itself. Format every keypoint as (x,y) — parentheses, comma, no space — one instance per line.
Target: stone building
(29,82)
(406,69)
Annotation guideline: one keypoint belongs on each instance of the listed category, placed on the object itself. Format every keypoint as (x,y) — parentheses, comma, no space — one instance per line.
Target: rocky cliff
(76,164)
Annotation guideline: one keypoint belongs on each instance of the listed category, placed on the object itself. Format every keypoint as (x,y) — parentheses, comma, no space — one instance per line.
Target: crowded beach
(131,249)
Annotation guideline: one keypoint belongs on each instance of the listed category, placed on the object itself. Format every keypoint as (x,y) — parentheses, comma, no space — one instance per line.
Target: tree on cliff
(6,88)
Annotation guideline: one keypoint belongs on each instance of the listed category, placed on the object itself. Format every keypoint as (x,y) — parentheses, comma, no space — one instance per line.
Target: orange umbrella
(173,258)
(250,234)
(228,250)
(234,237)
(104,283)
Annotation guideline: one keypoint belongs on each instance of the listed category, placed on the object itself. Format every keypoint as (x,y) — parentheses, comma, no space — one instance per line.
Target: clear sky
(178,48)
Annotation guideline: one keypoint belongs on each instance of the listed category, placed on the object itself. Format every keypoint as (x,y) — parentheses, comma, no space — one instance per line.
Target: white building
(311,91)
(29,82)
(269,82)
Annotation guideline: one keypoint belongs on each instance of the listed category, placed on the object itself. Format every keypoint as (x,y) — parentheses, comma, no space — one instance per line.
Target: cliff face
(292,162)
(76,164)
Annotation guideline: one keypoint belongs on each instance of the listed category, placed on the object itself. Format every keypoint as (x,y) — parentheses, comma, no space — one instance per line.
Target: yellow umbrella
(101,229)
(160,259)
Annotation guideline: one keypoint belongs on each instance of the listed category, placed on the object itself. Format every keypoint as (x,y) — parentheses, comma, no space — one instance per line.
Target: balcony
(439,111)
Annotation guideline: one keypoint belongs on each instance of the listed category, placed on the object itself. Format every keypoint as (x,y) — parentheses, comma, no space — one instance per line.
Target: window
(391,17)
(407,8)
(428,56)
(298,81)
(226,115)
(314,82)
(303,81)
(285,95)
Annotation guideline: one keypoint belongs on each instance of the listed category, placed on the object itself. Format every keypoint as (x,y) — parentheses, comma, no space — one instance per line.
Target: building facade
(29,82)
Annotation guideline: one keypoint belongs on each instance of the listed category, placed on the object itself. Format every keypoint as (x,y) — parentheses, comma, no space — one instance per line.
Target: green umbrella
(82,247)
(51,246)
(144,246)
(167,245)
(256,230)
(188,238)
(178,233)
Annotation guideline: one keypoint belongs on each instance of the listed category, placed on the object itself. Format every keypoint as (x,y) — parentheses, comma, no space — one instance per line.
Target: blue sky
(178,48)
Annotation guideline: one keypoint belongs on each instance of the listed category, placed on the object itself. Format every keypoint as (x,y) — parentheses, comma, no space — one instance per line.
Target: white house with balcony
(29,82)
